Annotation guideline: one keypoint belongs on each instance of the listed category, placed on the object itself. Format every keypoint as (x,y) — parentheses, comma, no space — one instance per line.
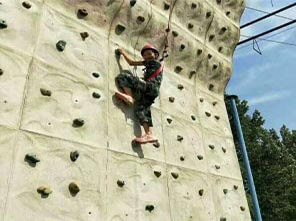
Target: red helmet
(149,47)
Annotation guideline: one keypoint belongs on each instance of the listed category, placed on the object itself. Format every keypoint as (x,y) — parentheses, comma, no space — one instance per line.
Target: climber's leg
(124,97)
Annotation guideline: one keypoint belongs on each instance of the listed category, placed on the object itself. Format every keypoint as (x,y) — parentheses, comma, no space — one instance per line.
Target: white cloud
(268,97)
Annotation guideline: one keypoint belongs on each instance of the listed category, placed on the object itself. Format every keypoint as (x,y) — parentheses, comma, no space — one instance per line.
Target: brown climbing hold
(120,183)
(217,167)
(3,24)
(32,159)
(82,13)
(156,144)
(84,35)
(190,26)
(74,155)
(217,117)
(157,173)
(96,75)
(27,5)
(180,86)
(140,19)
(44,191)
(224,149)
(166,6)
(235,187)
(175,175)
(1,71)
(242,208)
(96,95)
(201,192)
(225,191)
(178,69)
(193,6)
(211,146)
(78,123)
(200,157)
(208,114)
(74,189)
(45,92)
(60,45)
(193,118)
(171,99)
(169,120)
(149,208)
(119,29)
(182,158)
(179,138)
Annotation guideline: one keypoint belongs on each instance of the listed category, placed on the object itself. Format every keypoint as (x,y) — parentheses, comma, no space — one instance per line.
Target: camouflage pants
(144,94)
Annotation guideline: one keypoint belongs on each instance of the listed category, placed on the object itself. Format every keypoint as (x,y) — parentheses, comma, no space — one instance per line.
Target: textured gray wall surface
(65,141)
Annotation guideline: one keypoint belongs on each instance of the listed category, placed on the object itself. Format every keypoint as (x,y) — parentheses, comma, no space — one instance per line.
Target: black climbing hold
(208,114)
(74,155)
(223,219)
(228,13)
(190,26)
(156,144)
(178,69)
(211,37)
(200,157)
(179,138)
(191,74)
(60,45)
(208,14)
(119,29)
(199,51)
(182,47)
(120,183)
(218,1)
(32,159)
(45,92)
(242,208)
(82,13)
(193,118)
(175,175)
(3,24)
(157,173)
(180,87)
(217,117)
(169,120)
(149,208)
(225,191)
(220,49)
(201,100)
(215,67)
(222,30)
(175,34)
(96,95)
(73,188)
(1,71)
(27,5)
(133,2)
(209,56)
(211,146)
(224,149)
(193,5)
(166,6)
(171,99)
(78,123)
(44,191)
(215,103)
(96,75)
(217,167)
(84,35)
(211,87)
(235,187)
(182,158)
(201,192)
(140,19)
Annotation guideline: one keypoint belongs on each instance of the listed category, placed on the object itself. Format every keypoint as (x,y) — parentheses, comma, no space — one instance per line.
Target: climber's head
(149,52)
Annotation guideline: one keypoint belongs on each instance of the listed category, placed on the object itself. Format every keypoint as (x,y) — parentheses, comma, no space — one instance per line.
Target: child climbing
(141,93)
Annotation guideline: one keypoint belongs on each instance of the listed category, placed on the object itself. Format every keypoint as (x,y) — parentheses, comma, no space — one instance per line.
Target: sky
(267,81)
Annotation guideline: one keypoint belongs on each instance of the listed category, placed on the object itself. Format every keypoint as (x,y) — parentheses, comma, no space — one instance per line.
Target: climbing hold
(44,191)
(235,187)
(182,158)
(32,159)
(201,192)
(82,13)
(208,14)
(215,67)
(175,34)
(133,2)
(209,56)
(180,86)
(156,144)
(217,167)
(191,74)
(193,117)
(45,92)
(211,87)
(201,100)
(225,191)
(208,114)
(74,155)
(3,24)
(149,208)
(169,120)
(166,6)
(182,47)
(217,117)
(1,71)
(179,138)
(96,95)
(223,219)
(220,49)
(227,13)
(211,146)
(27,5)
(242,208)
(224,149)
(140,19)
(200,157)
(199,51)
(211,37)
(218,2)
(84,35)
(222,30)
(193,6)
(96,75)
(60,45)
(178,69)
(74,189)
(119,29)
(171,99)
(78,123)
(120,183)
(214,103)
(190,26)
(157,173)
(175,175)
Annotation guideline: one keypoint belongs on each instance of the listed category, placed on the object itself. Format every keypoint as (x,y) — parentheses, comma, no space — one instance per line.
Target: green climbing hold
(3,24)
(61,45)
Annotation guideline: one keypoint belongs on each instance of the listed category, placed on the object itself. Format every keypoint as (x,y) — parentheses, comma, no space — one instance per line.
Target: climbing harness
(156,73)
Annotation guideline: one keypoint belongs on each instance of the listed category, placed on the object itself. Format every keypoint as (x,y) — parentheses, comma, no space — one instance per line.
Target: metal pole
(244,153)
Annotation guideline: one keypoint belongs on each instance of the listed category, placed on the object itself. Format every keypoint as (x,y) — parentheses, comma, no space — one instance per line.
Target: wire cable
(258,10)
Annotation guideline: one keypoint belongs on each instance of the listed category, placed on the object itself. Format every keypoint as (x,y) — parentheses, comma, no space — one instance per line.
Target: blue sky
(267,81)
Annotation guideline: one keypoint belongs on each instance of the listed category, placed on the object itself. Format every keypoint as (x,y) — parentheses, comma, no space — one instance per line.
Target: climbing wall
(65,141)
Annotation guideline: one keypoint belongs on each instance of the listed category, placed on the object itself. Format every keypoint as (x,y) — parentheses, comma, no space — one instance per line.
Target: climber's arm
(129,60)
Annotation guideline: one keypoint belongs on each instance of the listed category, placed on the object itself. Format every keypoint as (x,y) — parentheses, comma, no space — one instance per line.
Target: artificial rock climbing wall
(65,141)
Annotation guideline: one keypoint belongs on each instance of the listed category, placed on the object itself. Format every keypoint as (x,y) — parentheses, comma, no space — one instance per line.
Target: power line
(258,10)
(268,15)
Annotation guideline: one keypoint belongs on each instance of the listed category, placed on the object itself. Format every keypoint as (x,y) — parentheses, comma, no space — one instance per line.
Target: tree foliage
(273,161)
